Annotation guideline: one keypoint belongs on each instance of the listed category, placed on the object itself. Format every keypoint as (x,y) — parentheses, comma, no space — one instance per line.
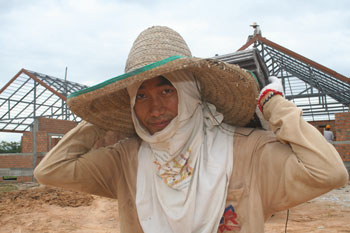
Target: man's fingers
(273,79)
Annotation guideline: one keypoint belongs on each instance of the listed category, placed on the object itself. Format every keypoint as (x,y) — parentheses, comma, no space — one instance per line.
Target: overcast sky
(93,37)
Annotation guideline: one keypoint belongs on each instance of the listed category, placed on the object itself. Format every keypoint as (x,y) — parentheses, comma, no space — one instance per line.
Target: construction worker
(257,30)
(328,134)
(186,164)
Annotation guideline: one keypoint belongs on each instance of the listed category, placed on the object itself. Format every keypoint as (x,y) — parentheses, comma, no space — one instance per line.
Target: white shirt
(328,135)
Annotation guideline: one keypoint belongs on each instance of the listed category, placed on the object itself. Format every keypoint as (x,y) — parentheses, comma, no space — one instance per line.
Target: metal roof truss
(319,94)
(29,95)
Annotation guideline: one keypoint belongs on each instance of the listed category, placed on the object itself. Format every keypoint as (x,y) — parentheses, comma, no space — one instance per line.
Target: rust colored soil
(53,210)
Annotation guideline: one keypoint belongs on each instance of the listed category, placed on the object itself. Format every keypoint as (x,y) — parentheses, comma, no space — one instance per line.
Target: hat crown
(154,44)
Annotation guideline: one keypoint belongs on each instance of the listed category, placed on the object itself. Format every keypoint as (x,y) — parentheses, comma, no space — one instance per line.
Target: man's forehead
(156,82)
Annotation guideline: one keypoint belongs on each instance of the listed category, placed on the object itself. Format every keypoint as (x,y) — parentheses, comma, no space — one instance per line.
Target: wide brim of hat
(231,89)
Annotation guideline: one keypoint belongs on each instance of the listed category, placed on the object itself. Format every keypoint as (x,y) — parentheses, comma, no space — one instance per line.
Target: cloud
(93,37)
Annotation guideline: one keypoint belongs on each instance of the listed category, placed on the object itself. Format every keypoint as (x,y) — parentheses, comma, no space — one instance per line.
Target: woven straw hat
(157,51)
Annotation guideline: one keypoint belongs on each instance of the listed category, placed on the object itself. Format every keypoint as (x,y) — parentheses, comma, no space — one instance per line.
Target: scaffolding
(29,95)
(319,91)
(250,60)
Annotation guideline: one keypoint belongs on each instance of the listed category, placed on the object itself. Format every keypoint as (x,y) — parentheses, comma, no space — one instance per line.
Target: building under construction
(34,104)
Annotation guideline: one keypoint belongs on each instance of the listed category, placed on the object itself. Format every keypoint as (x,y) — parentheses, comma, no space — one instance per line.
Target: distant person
(328,134)
(257,30)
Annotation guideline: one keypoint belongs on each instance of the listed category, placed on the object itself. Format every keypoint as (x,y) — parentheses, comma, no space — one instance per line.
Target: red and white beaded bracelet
(272,93)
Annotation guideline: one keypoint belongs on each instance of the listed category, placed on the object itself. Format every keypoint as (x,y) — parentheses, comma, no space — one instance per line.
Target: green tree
(10,147)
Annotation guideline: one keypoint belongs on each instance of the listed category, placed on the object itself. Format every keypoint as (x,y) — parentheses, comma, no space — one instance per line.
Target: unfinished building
(35,104)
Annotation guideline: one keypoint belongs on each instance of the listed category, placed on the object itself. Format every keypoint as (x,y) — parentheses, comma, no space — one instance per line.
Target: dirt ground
(31,209)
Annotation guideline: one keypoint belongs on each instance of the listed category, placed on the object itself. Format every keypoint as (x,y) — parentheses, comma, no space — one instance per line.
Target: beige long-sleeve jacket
(272,171)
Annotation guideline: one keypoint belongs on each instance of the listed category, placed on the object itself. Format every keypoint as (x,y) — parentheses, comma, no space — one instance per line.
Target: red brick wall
(55,126)
(45,126)
(19,179)
(24,178)
(18,160)
(344,151)
(341,130)
(26,142)
(342,124)
(15,161)
(321,125)
(42,142)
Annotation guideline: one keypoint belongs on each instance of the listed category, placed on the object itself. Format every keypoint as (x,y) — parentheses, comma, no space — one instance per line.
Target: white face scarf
(184,170)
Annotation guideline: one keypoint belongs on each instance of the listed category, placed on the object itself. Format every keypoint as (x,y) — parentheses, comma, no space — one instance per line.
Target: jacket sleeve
(73,164)
(299,165)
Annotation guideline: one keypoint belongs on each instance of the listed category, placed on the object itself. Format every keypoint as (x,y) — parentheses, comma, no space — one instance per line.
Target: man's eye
(167,91)
(140,96)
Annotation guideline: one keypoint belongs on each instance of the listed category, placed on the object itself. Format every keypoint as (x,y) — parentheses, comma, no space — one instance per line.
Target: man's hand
(273,88)
(274,84)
